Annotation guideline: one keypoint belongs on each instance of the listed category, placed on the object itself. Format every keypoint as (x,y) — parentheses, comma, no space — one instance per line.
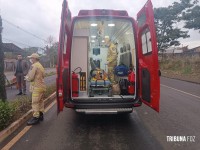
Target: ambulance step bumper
(105,111)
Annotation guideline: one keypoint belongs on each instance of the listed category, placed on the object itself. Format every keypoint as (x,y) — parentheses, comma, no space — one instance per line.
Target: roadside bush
(187,70)
(182,64)
(5,114)
(13,110)
(50,74)
(196,63)
(50,90)
(20,106)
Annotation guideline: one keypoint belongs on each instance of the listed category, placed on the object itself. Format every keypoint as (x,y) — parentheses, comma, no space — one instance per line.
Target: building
(10,52)
(193,51)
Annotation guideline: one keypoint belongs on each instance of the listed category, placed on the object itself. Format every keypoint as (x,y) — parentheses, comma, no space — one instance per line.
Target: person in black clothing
(21,70)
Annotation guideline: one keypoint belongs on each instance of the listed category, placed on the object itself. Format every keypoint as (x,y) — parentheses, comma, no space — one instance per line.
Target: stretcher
(100,87)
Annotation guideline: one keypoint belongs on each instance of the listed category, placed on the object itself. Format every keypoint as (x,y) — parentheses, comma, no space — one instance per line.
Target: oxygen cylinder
(75,85)
(131,79)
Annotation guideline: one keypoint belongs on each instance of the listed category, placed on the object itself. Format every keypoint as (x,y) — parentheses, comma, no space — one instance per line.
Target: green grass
(14,109)
(187,70)
(50,74)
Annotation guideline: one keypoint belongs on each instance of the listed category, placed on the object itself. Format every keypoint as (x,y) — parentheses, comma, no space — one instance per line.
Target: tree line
(48,53)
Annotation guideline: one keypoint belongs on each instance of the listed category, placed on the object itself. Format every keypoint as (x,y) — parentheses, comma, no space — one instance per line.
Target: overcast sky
(42,17)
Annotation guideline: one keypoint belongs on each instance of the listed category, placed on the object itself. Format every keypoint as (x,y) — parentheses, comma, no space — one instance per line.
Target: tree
(2,77)
(167,32)
(29,51)
(51,50)
(166,20)
(50,40)
(192,18)
(53,54)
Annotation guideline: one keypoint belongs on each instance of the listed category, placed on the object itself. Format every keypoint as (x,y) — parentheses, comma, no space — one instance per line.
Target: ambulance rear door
(148,57)
(63,70)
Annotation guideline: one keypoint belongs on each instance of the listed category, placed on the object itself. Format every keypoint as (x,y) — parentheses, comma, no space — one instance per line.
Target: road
(141,130)
(11,92)
(10,75)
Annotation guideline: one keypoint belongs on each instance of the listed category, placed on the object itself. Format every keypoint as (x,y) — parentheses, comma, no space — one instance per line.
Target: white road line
(181,91)
(21,133)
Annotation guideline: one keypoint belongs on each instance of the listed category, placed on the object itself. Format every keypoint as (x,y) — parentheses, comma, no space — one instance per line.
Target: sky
(42,18)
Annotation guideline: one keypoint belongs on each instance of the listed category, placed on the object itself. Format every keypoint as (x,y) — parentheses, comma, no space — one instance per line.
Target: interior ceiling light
(107,37)
(103,41)
(129,33)
(111,24)
(93,24)
(93,36)
(93,41)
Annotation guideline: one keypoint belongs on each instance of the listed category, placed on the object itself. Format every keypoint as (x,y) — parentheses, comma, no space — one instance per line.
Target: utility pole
(2,76)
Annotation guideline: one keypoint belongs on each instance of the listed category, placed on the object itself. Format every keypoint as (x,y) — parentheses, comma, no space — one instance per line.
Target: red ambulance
(107,61)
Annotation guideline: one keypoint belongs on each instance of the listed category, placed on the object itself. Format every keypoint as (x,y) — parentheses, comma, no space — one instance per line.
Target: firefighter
(111,59)
(37,88)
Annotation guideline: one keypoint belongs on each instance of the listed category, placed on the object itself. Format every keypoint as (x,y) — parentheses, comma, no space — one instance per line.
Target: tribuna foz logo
(180,138)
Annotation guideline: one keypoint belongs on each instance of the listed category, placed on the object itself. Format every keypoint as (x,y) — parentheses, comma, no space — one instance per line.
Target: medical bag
(121,70)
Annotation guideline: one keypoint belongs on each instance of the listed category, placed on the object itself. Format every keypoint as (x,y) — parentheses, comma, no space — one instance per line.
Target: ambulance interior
(103,57)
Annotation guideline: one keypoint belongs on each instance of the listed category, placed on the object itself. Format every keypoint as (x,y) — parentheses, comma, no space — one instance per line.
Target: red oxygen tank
(131,79)
(75,85)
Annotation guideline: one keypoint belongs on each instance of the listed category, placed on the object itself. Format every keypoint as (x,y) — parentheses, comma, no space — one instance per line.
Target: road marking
(16,138)
(181,91)
(49,107)
(26,129)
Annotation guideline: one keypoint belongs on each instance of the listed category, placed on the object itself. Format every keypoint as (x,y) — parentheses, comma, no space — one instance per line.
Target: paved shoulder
(181,85)
(74,132)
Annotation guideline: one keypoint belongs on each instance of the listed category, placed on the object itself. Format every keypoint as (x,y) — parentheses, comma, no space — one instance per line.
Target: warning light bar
(102,12)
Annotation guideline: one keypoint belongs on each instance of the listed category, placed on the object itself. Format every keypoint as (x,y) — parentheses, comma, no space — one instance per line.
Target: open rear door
(63,80)
(148,57)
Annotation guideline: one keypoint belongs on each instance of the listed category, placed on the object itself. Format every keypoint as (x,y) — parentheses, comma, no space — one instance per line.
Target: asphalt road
(11,92)
(144,129)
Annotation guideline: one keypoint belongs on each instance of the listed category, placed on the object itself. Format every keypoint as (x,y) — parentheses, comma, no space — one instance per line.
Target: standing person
(111,59)
(21,70)
(37,88)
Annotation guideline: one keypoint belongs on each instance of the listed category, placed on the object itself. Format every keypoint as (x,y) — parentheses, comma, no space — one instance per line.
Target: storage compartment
(104,49)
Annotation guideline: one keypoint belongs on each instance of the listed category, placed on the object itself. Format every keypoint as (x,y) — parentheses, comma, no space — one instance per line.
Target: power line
(23,43)
(24,30)
(17,42)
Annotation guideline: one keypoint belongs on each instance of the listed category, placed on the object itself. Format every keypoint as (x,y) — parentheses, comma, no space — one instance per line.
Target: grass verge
(184,68)
(13,110)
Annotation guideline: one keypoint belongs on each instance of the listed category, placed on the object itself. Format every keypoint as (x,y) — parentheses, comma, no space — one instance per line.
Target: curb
(15,125)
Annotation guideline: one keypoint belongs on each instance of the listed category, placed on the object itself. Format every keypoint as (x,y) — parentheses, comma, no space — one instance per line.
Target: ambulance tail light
(69,105)
(137,105)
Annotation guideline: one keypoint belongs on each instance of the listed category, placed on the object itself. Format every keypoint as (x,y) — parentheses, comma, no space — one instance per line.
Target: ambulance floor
(84,95)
